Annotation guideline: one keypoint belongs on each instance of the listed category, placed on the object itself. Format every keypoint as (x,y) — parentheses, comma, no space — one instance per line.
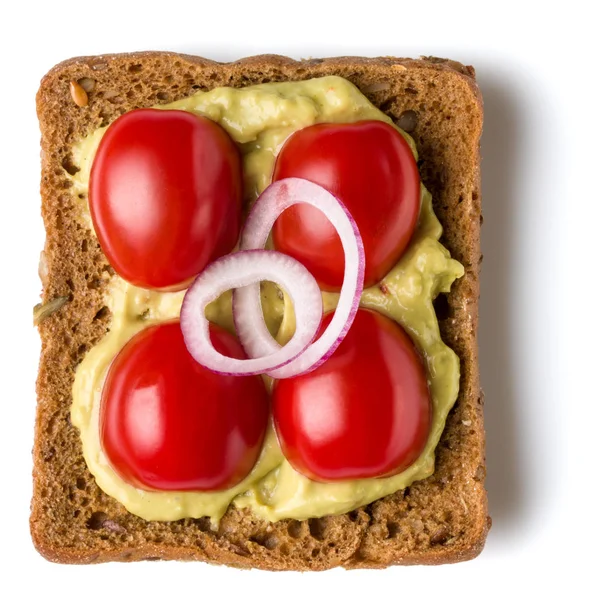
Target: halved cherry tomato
(369,166)
(167,423)
(366,412)
(165,196)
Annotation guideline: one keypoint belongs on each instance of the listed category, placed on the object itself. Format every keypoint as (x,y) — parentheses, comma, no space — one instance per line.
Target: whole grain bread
(439,520)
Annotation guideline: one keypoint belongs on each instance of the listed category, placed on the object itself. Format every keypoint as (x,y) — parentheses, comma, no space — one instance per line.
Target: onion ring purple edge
(250,227)
(195,328)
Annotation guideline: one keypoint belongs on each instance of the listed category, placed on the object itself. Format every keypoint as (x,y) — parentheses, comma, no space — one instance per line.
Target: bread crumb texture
(441,519)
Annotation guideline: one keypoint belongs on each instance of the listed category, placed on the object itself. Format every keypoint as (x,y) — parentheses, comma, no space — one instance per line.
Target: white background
(538,68)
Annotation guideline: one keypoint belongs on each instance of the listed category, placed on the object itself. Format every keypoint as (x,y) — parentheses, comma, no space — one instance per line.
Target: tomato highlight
(365,413)
(165,196)
(167,423)
(369,166)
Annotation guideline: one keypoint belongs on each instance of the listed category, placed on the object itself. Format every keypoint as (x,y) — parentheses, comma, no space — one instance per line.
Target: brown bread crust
(440,520)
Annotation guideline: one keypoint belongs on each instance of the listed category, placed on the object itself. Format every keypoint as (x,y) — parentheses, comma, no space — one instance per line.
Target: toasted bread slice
(439,520)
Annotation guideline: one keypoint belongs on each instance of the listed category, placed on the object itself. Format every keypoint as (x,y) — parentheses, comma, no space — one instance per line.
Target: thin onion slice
(236,271)
(253,333)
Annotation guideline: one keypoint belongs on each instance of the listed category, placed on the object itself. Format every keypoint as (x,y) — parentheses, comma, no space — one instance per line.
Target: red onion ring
(236,271)
(252,332)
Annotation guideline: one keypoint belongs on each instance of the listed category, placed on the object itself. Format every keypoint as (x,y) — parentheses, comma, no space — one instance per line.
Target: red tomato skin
(366,412)
(167,423)
(165,196)
(367,165)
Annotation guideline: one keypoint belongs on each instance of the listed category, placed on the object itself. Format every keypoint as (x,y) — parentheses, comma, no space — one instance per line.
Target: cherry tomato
(167,423)
(165,196)
(366,412)
(369,166)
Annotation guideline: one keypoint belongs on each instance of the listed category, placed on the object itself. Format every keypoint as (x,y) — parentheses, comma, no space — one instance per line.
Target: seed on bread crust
(408,121)
(440,535)
(42,311)
(78,94)
(380,86)
(43,268)
(87,84)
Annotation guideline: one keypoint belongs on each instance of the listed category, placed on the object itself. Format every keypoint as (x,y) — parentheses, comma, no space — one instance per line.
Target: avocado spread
(259,118)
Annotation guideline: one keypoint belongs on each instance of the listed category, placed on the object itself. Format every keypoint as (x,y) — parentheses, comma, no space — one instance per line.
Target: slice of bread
(439,520)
